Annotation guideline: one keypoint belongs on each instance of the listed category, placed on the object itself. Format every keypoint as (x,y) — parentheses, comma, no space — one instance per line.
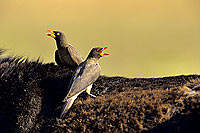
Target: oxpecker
(66,54)
(83,78)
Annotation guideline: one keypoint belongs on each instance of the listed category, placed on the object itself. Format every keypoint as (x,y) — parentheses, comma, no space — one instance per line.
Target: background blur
(146,38)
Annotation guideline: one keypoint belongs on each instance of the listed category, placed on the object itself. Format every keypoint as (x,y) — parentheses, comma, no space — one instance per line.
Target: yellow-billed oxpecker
(66,54)
(84,76)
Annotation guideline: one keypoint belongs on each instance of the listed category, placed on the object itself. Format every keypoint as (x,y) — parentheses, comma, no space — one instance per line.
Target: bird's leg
(88,89)
(92,95)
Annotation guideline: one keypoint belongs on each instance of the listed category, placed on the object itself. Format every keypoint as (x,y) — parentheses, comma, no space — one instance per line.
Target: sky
(145,38)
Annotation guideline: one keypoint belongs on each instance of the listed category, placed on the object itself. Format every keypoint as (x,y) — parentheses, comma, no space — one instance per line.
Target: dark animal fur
(32,93)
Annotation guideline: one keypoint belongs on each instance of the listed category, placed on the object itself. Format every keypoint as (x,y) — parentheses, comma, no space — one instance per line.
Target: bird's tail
(67,106)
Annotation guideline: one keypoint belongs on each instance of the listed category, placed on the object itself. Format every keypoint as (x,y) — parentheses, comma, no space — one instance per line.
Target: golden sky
(146,38)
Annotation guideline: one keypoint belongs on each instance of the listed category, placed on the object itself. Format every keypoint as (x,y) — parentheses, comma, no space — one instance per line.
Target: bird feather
(84,76)
(75,55)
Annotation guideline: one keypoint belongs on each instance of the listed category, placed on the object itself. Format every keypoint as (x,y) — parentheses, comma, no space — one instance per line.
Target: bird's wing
(85,75)
(57,59)
(75,55)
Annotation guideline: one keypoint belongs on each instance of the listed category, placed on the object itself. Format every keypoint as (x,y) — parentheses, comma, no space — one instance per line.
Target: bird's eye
(97,50)
(58,34)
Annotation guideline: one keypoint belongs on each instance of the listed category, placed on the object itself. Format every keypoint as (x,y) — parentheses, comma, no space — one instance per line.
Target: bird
(66,54)
(84,76)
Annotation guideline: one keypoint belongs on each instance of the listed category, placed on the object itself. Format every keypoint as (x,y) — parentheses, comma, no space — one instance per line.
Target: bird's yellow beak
(101,53)
(52,34)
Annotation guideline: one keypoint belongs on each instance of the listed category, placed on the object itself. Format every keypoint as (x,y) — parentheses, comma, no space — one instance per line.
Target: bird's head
(97,52)
(57,35)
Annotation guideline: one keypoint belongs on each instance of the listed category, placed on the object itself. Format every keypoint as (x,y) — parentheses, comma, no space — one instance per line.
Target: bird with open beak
(66,54)
(85,75)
